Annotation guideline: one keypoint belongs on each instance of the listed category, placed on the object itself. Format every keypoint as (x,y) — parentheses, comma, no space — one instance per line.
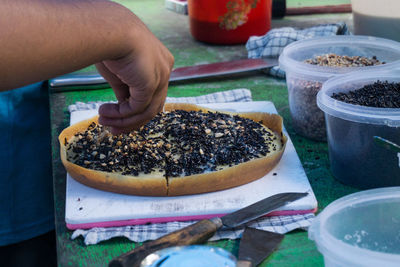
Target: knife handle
(196,233)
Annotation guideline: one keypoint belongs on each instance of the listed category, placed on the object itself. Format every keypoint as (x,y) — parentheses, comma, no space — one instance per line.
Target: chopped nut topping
(333,60)
(218,135)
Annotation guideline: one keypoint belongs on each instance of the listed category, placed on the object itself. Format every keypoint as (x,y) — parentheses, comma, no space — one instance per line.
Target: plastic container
(228,21)
(193,256)
(377,18)
(305,80)
(355,158)
(361,229)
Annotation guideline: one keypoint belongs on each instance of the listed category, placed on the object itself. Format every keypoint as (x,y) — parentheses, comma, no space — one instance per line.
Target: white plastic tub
(361,229)
(305,80)
(355,157)
(377,18)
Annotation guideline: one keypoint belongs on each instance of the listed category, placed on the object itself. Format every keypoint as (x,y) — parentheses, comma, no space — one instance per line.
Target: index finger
(136,103)
(134,122)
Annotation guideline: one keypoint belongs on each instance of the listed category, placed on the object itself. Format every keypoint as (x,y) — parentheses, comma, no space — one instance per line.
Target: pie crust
(156,184)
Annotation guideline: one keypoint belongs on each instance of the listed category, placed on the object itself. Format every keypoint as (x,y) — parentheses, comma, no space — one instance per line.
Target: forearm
(41,39)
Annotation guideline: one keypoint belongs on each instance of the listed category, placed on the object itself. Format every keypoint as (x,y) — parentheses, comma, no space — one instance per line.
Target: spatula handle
(193,234)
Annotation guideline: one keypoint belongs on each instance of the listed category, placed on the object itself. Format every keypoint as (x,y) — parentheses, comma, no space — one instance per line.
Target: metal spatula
(256,245)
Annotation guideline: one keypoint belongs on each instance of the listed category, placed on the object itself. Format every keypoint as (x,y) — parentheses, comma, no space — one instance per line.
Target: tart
(184,150)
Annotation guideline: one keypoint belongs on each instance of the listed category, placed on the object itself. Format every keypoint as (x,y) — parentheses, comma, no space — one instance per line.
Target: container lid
(353,81)
(361,229)
(293,56)
(194,256)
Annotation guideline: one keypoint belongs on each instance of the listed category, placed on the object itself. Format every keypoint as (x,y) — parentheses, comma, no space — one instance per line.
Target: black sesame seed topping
(380,94)
(180,142)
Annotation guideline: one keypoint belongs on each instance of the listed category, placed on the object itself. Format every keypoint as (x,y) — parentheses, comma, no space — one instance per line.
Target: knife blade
(221,68)
(201,231)
(94,80)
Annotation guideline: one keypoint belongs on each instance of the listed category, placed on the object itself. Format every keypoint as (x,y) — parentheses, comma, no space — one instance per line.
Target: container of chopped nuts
(362,109)
(309,63)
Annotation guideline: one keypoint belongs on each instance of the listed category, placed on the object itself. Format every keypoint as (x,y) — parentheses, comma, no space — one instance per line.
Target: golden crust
(155,184)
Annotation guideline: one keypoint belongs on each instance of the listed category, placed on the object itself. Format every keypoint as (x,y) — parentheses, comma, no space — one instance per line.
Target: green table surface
(173,30)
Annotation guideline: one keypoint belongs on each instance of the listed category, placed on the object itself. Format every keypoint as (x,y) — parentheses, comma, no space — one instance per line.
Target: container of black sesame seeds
(360,107)
(309,63)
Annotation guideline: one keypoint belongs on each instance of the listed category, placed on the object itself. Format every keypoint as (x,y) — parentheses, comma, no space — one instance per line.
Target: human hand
(140,82)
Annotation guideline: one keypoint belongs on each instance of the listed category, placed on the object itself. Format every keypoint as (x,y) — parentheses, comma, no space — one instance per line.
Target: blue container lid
(292,58)
(360,229)
(193,256)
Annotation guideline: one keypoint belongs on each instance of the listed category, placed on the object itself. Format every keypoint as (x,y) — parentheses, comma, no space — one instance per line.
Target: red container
(228,21)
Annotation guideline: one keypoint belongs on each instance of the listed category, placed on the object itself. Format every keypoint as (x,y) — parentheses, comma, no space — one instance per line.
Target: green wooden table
(173,30)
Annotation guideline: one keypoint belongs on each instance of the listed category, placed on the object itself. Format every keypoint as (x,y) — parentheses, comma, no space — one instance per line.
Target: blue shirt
(26,188)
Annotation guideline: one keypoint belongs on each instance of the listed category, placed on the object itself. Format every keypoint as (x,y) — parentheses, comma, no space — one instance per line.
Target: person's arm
(41,39)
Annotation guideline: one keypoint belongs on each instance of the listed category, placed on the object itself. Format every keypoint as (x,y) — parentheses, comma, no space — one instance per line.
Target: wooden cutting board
(88,207)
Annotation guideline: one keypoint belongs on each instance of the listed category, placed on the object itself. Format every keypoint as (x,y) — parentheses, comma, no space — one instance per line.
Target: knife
(94,80)
(387,144)
(201,231)
(256,245)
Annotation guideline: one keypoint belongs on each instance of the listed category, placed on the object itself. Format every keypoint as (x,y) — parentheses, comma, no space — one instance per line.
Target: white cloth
(141,233)
(273,43)
(236,95)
